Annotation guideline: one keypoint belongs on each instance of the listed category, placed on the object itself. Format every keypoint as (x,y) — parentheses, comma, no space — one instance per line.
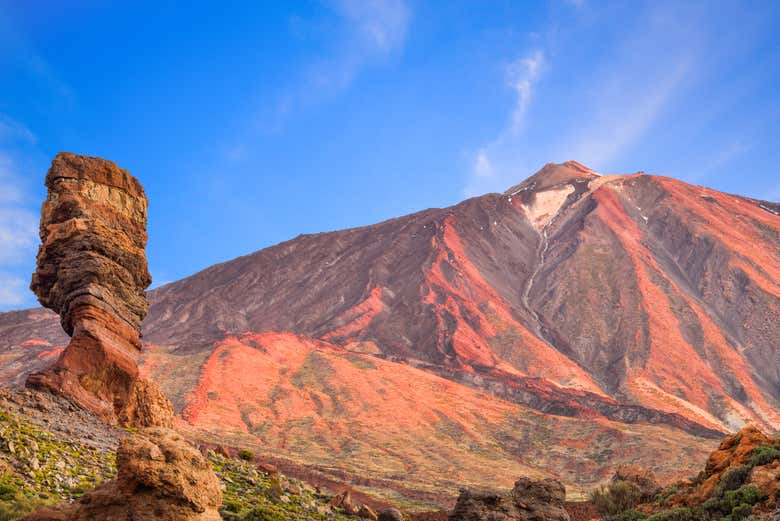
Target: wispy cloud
(18,234)
(18,225)
(380,24)
(11,129)
(622,111)
(13,290)
(367,32)
(521,77)
(371,31)
(608,107)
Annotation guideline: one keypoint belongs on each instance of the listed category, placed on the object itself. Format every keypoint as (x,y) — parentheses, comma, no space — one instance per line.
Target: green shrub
(231,505)
(16,500)
(740,513)
(732,480)
(616,498)
(246,455)
(764,455)
(748,494)
(265,513)
(680,514)
(629,515)
(734,503)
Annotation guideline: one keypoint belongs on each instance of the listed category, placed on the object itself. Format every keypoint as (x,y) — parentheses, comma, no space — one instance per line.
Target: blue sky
(250,124)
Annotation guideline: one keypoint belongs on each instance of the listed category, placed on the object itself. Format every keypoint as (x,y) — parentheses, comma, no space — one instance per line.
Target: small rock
(391,514)
(365,512)
(344,502)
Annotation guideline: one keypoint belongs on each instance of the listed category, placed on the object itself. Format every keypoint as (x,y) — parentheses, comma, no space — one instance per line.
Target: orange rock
(92,271)
(733,451)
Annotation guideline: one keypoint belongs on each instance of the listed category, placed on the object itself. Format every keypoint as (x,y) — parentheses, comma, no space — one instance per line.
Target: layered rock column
(92,271)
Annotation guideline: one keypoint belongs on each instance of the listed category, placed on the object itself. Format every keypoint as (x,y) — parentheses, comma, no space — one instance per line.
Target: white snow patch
(546,205)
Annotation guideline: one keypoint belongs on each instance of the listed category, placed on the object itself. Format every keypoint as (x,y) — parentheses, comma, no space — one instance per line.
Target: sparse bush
(746,494)
(732,480)
(265,513)
(764,455)
(680,514)
(734,503)
(15,500)
(740,513)
(629,515)
(616,498)
(246,455)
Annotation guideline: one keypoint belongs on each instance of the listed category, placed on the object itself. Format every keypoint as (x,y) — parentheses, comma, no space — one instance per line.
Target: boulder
(391,514)
(529,500)
(366,512)
(644,479)
(159,477)
(344,502)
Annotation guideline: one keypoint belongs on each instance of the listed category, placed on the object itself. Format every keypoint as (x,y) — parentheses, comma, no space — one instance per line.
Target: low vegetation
(38,469)
(732,499)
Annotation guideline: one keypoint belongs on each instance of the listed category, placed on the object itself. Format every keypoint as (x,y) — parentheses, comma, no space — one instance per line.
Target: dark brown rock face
(529,500)
(92,271)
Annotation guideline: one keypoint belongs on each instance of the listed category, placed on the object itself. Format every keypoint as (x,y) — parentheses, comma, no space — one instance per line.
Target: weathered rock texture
(92,271)
(529,500)
(160,477)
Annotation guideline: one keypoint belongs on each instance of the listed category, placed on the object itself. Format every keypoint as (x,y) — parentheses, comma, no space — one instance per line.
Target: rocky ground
(52,451)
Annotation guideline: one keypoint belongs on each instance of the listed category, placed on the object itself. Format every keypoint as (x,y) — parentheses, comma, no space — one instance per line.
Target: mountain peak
(553,174)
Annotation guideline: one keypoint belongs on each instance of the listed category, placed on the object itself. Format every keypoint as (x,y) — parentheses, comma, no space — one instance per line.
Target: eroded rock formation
(529,500)
(92,271)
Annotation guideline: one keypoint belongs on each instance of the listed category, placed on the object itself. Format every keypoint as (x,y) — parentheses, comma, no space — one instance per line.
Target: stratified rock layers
(92,271)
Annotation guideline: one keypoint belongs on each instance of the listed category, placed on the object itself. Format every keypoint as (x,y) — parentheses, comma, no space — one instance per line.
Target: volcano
(576,322)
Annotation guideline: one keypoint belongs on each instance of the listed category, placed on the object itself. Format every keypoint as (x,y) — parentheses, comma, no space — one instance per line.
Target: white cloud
(482,165)
(18,225)
(18,235)
(622,111)
(365,32)
(608,107)
(13,290)
(11,129)
(381,24)
(523,75)
(373,30)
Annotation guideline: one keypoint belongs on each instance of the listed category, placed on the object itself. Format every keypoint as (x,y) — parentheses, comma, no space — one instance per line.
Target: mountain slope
(620,300)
